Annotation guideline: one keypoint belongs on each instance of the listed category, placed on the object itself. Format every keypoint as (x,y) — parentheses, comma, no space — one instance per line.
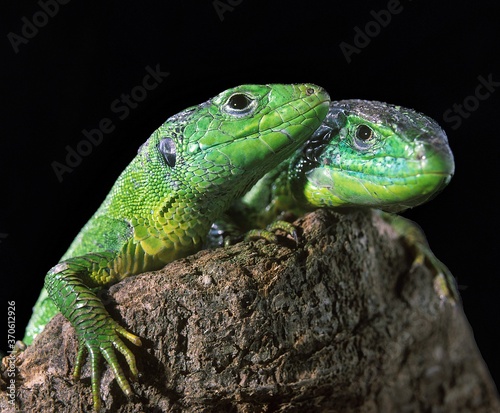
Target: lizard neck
(174,230)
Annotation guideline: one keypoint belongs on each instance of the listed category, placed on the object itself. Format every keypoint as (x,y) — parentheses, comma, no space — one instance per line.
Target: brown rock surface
(341,323)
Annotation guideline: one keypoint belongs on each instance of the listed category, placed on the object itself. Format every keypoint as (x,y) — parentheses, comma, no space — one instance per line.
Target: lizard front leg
(69,285)
(414,237)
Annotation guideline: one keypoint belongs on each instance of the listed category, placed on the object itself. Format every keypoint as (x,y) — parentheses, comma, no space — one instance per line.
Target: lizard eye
(167,149)
(363,137)
(363,132)
(239,104)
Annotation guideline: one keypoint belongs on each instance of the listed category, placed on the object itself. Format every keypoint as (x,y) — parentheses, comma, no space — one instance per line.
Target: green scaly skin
(365,154)
(161,207)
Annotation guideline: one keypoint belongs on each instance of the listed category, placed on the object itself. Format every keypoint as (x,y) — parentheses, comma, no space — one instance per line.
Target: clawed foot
(268,233)
(445,284)
(104,345)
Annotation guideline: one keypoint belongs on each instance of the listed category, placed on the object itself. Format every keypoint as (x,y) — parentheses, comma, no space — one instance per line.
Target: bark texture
(342,323)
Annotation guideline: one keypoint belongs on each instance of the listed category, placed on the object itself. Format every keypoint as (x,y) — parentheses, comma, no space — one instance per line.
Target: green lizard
(365,154)
(162,206)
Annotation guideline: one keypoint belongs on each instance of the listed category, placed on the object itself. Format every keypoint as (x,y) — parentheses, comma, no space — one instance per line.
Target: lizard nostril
(420,152)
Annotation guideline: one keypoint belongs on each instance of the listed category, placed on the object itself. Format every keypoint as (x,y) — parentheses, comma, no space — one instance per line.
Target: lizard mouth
(421,181)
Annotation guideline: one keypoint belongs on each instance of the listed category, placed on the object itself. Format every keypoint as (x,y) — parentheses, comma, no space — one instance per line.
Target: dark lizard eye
(239,104)
(238,101)
(167,149)
(364,133)
(363,138)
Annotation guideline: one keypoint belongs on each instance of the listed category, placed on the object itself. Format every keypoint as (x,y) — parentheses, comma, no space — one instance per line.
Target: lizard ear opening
(167,149)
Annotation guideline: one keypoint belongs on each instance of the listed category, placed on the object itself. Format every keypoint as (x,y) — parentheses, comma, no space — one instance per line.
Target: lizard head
(373,154)
(226,144)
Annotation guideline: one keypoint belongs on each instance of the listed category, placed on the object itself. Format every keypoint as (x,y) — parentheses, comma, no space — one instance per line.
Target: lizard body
(365,154)
(161,207)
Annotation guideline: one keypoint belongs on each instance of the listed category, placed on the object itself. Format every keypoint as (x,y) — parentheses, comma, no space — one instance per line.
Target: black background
(65,78)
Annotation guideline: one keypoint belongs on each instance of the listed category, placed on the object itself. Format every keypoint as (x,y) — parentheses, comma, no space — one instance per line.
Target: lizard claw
(268,233)
(445,284)
(106,348)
